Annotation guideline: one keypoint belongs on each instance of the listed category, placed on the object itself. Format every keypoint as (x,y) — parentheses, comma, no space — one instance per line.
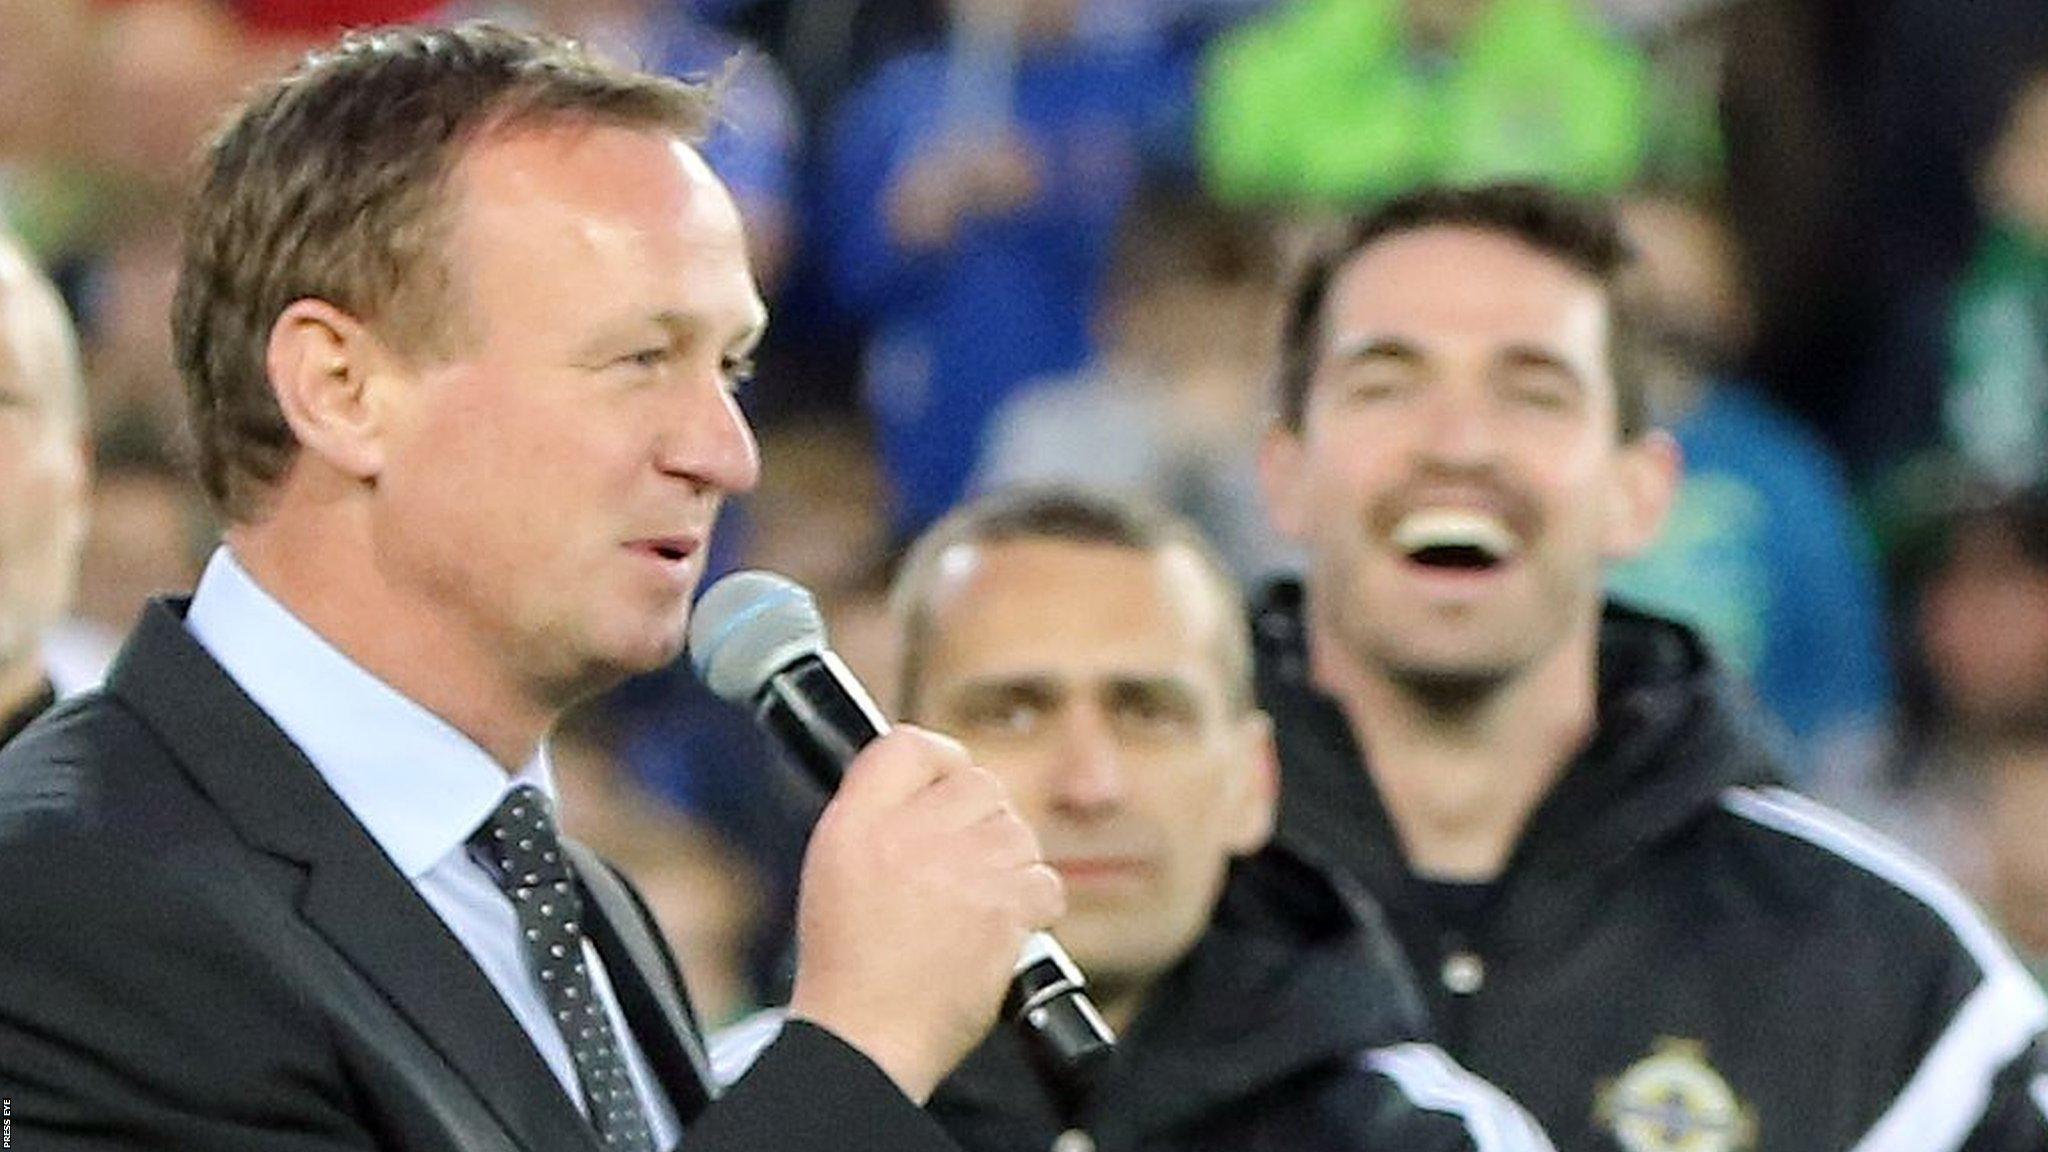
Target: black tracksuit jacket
(1681,956)
(1291,1027)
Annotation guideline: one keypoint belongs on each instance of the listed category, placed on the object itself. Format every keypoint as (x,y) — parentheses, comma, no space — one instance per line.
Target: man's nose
(1090,770)
(709,440)
(1460,427)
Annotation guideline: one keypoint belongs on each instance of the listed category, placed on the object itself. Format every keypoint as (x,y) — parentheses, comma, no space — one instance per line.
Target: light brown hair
(333,183)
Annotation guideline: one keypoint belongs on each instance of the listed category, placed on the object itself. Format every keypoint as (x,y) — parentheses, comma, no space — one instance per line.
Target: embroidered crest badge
(1673,1101)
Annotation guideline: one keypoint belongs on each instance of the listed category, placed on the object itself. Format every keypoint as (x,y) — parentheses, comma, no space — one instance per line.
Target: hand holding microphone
(921,889)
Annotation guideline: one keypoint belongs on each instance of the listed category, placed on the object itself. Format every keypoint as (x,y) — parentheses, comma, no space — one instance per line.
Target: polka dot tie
(518,845)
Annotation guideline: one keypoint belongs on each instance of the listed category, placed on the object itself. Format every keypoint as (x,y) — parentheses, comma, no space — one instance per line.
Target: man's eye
(1003,717)
(1542,388)
(1538,390)
(646,357)
(1374,383)
(1147,713)
(739,370)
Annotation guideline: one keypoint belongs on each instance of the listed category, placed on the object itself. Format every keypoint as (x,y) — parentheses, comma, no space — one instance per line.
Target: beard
(1449,675)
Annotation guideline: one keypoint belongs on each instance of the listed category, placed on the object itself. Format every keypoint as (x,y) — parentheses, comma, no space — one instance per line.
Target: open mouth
(1455,540)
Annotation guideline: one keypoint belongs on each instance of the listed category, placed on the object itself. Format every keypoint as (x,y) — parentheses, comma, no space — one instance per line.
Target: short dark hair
(332,183)
(1583,233)
(1067,514)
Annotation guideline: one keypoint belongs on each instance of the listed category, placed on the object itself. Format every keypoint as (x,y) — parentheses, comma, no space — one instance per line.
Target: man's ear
(1646,478)
(1258,790)
(78,487)
(328,371)
(1280,481)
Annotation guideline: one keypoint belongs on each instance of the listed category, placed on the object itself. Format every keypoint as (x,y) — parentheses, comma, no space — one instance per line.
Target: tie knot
(518,844)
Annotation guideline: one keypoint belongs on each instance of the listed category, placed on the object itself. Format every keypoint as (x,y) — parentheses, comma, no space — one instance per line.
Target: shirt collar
(417,785)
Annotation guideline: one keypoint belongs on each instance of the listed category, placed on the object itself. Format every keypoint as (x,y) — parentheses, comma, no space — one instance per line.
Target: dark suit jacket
(201,949)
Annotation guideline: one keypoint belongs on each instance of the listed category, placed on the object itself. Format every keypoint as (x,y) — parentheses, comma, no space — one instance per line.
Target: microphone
(757,640)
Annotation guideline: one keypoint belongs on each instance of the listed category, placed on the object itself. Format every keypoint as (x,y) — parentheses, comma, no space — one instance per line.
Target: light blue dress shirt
(420,788)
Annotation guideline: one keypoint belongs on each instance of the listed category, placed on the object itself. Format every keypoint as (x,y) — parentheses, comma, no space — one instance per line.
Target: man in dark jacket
(1567,814)
(1093,655)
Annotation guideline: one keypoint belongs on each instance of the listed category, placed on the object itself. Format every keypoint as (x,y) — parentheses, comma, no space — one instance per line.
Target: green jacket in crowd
(1328,100)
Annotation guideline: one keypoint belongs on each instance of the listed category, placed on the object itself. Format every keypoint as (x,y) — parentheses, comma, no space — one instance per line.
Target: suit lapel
(353,897)
(646,983)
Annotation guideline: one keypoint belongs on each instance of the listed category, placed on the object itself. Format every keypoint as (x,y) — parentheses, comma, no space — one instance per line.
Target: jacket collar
(1296,971)
(352,895)
(377,749)
(1673,732)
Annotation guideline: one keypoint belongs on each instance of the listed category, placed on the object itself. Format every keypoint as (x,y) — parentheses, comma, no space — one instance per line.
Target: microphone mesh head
(748,627)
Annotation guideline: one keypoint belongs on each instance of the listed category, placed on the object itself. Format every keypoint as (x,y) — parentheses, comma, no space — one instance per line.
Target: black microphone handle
(822,717)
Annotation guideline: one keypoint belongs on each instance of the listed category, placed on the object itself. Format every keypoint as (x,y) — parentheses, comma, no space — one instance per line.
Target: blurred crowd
(1043,239)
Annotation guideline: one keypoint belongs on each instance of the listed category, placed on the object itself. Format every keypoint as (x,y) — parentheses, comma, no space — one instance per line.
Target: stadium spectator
(43,478)
(968,200)
(1350,100)
(1762,551)
(1171,406)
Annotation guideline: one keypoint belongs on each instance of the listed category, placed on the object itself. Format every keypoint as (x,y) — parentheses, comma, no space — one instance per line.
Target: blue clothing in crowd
(1764,555)
(754,147)
(953,331)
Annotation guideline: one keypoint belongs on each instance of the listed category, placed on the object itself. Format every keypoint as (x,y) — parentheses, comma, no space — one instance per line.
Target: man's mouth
(670,549)
(1455,539)
(1098,869)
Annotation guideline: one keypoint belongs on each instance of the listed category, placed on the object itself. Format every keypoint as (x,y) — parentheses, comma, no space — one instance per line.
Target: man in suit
(42,479)
(461,316)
